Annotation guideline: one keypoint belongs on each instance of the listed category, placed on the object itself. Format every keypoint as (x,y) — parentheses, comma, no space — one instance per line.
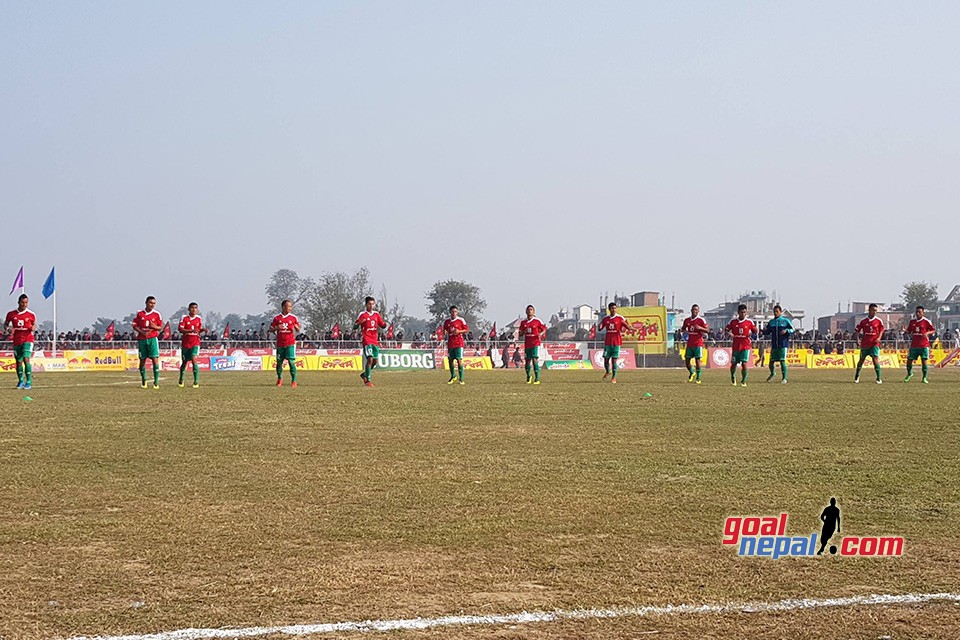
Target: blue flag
(50,285)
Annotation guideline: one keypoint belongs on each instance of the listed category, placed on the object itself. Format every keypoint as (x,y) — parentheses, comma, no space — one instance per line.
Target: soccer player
(920,330)
(21,322)
(455,327)
(695,327)
(286,326)
(370,323)
(779,329)
(615,326)
(191,327)
(871,330)
(533,331)
(740,328)
(147,325)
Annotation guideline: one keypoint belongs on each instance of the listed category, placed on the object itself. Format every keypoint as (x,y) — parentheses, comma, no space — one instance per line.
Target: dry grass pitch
(238,504)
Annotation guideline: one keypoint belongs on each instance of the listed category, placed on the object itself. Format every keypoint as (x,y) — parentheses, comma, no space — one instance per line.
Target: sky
(546,152)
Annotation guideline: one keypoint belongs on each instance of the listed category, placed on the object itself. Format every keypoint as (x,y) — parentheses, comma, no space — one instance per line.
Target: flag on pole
(390,332)
(593,333)
(108,334)
(50,285)
(18,281)
(493,331)
(166,331)
(226,332)
(335,332)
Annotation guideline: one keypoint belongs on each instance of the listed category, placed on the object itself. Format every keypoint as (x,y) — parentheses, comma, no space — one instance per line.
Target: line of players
(148,323)
(780,330)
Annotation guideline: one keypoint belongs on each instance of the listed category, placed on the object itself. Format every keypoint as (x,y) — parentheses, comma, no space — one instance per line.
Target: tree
(923,294)
(464,295)
(234,320)
(285,284)
(336,298)
(393,313)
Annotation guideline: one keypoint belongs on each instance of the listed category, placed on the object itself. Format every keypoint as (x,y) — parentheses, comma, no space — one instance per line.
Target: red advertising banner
(627,360)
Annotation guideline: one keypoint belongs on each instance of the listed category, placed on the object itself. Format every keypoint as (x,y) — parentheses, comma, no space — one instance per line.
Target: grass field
(238,504)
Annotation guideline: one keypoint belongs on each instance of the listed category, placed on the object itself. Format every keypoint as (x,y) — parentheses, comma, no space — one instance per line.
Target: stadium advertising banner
(403,359)
(472,362)
(829,361)
(627,359)
(570,364)
(650,329)
(98,360)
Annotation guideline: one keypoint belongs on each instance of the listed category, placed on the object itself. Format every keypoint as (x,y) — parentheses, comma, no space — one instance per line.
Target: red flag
(108,334)
(226,332)
(493,331)
(335,332)
(166,331)
(439,333)
(390,332)
(593,333)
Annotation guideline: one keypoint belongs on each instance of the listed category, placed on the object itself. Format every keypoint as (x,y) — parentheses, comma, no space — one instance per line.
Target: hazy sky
(544,151)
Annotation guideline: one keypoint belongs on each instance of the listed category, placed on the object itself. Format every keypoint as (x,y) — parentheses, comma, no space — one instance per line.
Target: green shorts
(287,353)
(693,353)
(456,353)
(189,353)
(778,354)
(531,353)
(611,351)
(919,352)
(870,351)
(148,348)
(371,351)
(23,351)
(742,356)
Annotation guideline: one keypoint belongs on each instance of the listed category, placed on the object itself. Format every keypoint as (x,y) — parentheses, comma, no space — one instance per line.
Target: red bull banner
(649,325)
(627,359)
(97,360)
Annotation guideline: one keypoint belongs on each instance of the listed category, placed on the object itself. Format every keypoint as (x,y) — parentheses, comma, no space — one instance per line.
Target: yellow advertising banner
(8,364)
(829,361)
(472,362)
(318,363)
(96,360)
(649,326)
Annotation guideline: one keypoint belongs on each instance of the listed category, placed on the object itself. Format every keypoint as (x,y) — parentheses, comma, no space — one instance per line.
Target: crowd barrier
(577,356)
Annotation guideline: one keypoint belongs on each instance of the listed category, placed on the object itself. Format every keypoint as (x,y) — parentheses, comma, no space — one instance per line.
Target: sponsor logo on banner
(406,359)
(48,365)
(339,363)
(830,361)
(720,357)
(96,360)
(649,326)
(471,362)
(625,361)
(563,351)
(8,364)
(269,363)
(568,364)
(237,363)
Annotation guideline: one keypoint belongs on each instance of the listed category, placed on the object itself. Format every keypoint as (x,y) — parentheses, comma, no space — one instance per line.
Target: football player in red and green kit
(615,326)
(370,322)
(191,327)
(740,328)
(871,331)
(695,327)
(920,330)
(286,326)
(455,327)
(21,322)
(147,325)
(533,332)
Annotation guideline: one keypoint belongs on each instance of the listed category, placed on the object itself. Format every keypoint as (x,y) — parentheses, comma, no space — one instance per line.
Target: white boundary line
(414,624)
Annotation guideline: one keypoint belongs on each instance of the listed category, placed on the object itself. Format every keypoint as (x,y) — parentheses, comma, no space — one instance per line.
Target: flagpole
(54,354)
